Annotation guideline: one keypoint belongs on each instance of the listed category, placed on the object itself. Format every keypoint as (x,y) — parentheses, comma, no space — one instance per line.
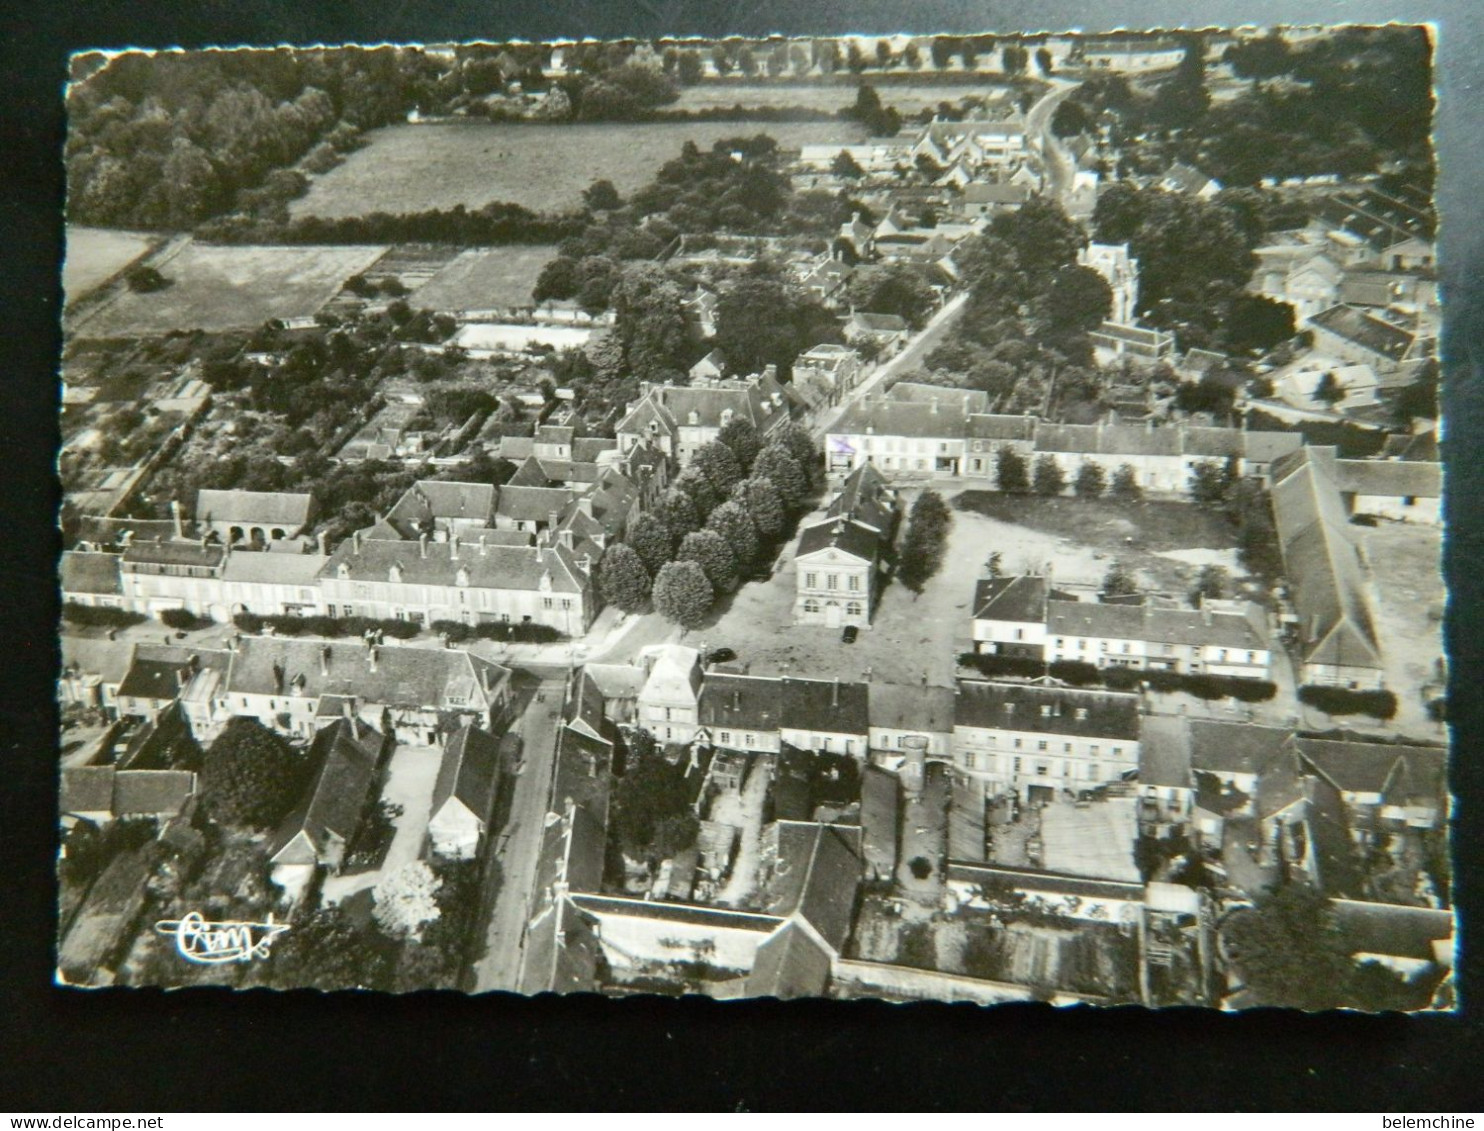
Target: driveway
(411,775)
(925,834)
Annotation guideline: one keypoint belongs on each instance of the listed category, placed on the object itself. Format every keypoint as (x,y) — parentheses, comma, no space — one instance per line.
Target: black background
(142,1050)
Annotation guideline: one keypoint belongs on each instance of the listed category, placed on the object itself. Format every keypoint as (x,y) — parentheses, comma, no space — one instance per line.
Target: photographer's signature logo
(199,940)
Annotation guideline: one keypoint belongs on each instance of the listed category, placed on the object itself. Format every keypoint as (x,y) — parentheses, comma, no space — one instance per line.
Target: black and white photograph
(913,518)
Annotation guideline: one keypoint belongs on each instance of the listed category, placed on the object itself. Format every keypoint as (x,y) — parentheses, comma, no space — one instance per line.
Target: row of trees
(1016,476)
(714,524)
(921,552)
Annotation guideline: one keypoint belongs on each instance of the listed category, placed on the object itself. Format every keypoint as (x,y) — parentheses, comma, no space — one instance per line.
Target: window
(1223,654)
(747,741)
(1066,747)
(546,602)
(1020,634)
(853,608)
(668,714)
(1082,645)
(1252,657)
(811,581)
(1043,768)
(811,605)
(1094,771)
(969,761)
(1041,744)
(1125,648)
(566,602)
(1093,749)
(1017,765)
(855,582)
(1061,641)
(1118,751)
(725,737)
(1017,744)
(831,581)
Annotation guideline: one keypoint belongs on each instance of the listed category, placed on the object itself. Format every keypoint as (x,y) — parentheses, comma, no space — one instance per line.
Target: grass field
(484,279)
(543,167)
(95,255)
(906,97)
(224,288)
(1407,601)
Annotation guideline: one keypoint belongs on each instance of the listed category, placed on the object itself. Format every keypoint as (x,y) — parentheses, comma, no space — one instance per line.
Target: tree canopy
(251,776)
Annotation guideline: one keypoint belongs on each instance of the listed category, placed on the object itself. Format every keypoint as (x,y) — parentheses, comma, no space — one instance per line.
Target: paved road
(1059,164)
(915,350)
(499,969)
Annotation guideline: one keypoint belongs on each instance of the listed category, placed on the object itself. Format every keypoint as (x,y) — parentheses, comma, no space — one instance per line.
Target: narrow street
(921,344)
(499,968)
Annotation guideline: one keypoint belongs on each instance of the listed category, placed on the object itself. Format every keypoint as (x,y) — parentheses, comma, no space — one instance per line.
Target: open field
(224,288)
(542,167)
(95,255)
(484,279)
(906,97)
(1086,537)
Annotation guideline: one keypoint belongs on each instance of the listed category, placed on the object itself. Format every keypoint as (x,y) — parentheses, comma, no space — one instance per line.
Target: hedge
(283,625)
(1344,701)
(100,616)
(530,633)
(1078,673)
(184,619)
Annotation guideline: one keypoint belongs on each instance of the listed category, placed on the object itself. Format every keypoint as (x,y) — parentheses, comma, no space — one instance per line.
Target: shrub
(458,632)
(99,616)
(183,619)
(249,622)
(1344,701)
(1076,672)
(989,664)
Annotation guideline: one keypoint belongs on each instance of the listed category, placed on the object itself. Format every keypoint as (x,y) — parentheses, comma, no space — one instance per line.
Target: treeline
(495,224)
(1078,673)
(167,140)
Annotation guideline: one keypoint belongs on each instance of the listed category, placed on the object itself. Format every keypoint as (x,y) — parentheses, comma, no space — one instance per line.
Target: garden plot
(225,288)
(95,255)
(489,278)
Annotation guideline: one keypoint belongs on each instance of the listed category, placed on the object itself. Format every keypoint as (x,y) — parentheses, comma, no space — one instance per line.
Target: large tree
(679,511)
(715,557)
(1011,473)
(1048,477)
(741,437)
(735,527)
(721,468)
(652,540)
(764,505)
(682,594)
(407,900)
(783,471)
(652,817)
(703,495)
(649,309)
(622,578)
(1125,485)
(251,776)
(921,553)
(894,288)
(1288,951)
(762,320)
(1090,481)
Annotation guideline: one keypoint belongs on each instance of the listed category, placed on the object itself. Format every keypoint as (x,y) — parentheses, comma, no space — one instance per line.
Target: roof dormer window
(694,417)
(461,578)
(394,575)
(343,572)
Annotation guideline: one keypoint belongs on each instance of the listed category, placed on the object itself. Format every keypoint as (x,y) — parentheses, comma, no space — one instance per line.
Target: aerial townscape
(922,518)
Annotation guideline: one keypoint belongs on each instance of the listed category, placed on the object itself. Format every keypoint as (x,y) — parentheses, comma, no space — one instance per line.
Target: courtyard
(1407,598)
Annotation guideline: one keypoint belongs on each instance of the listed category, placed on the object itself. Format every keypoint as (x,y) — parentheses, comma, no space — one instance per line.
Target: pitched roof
(616,681)
(1392,478)
(758,399)
(1391,929)
(1046,710)
(174,553)
(1165,751)
(959,400)
(109,660)
(493,567)
(1321,561)
(1236,748)
(1021,598)
(739,702)
(789,964)
(151,792)
(910,707)
(403,676)
(532,504)
(91,573)
(879,323)
(254,508)
(676,674)
(87,789)
(469,772)
(865,498)
(1054,883)
(274,569)
(1365,330)
(898,418)
(815,876)
(163,671)
(847,537)
(1365,767)
(1152,623)
(343,771)
(825,706)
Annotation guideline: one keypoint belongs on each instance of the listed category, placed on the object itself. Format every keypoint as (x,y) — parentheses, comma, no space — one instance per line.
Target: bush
(249,622)
(989,664)
(458,632)
(1344,701)
(1076,672)
(99,616)
(183,619)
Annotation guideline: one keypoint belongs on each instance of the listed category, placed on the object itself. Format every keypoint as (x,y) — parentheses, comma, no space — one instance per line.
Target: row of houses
(1025,616)
(418,696)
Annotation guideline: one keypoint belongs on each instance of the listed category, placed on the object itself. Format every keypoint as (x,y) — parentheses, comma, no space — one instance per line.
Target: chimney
(453,547)
(489,679)
(422,545)
(1205,613)
(482,547)
(278,674)
(176,518)
(736,700)
(324,660)
(324,543)
(355,541)
(867,676)
(540,552)
(348,709)
(935,406)
(372,656)
(552,518)
(835,692)
(924,679)
(585,563)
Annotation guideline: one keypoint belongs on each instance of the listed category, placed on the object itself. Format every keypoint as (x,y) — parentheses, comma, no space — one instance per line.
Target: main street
(518,845)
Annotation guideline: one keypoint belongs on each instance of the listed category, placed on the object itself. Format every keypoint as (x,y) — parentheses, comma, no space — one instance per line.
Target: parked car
(850,633)
(720,656)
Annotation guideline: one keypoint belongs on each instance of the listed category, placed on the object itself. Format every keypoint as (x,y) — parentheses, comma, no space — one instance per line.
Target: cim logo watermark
(213,943)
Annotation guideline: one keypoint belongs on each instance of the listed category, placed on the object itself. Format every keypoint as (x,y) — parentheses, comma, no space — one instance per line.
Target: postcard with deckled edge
(922,517)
